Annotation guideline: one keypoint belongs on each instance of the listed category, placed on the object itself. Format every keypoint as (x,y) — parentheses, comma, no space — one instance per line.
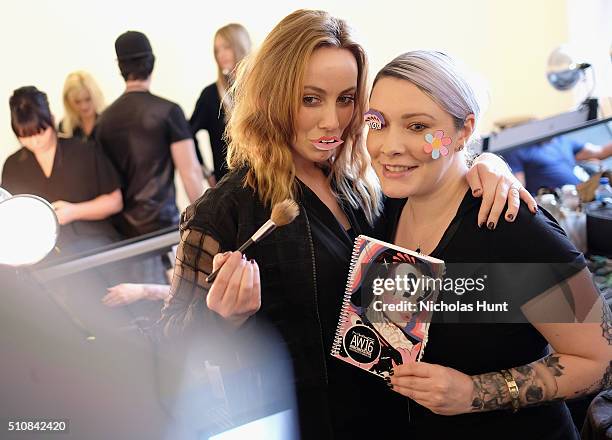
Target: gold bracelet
(513,389)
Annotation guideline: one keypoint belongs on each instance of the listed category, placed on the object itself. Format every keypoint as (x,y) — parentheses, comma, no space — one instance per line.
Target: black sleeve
(198,120)
(533,255)
(9,173)
(178,128)
(208,226)
(107,176)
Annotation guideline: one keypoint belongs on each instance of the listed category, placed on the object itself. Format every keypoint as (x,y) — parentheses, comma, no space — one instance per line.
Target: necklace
(429,227)
(413,221)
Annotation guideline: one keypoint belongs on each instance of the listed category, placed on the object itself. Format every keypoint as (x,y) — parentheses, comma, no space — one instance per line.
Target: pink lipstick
(327,143)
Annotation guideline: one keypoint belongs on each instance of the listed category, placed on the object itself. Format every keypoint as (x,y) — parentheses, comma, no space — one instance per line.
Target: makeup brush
(283,213)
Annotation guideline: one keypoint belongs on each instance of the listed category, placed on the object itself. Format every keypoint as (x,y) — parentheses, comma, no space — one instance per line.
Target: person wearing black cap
(146,137)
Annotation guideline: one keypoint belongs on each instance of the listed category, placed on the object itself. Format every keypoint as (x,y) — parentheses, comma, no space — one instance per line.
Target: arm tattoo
(604,383)
(490,392)
(606,322)
(536,381)
(606,380)
(552,362)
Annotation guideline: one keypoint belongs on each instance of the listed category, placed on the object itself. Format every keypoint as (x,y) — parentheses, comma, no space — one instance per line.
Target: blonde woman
(296,131)
(231,44)
(83,102)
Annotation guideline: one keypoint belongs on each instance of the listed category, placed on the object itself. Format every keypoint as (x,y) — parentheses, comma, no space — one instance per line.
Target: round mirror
(563,72)
(28,230)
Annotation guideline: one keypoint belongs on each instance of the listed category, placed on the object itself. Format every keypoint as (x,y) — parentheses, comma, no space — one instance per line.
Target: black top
(352,392)
(136,132)
(303,269)
(81,172)
(482,348)
(210,116)
(77,132)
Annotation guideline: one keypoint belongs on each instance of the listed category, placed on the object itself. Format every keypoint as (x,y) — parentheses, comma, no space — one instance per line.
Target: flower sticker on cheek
(374,119)
(436,144)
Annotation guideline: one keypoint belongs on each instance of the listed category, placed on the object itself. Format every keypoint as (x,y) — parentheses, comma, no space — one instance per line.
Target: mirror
(4,195)
(28,229)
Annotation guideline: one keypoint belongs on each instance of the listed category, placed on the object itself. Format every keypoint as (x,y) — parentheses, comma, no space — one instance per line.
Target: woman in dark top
(549,346)
(75,177)
(83,103)
(232,44)
(302,141)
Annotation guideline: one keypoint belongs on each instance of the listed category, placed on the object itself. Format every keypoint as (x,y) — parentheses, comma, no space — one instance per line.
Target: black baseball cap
(132,44)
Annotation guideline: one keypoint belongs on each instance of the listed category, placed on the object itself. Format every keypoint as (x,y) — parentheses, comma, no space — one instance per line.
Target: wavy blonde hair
(268,94)
(76,82)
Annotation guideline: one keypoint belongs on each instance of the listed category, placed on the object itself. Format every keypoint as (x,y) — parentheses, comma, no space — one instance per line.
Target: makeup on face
(416,133)
(375,120)
(326,143)
(327,107)
(436,144)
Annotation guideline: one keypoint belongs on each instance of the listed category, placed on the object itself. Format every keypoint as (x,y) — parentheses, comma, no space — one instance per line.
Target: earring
(459,148)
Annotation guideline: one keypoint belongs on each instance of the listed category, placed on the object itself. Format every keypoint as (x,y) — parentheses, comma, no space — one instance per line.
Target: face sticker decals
(374,119)
(436,144)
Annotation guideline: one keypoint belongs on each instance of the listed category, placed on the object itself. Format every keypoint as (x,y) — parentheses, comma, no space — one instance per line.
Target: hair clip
(374,119)
(436,144)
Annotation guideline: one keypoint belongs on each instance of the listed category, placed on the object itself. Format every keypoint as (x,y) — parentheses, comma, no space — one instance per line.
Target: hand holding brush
(283,213)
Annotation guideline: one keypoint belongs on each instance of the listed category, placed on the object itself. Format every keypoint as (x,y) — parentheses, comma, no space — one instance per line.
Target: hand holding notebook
(381,323)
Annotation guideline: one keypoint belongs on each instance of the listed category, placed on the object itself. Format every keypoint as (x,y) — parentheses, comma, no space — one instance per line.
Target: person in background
(232,43)
(551,164)
(83,103)
(146,138)
(128,293)
(75,177)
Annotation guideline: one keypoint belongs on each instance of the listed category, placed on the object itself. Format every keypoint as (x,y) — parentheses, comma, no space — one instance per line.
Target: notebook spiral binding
(347,296)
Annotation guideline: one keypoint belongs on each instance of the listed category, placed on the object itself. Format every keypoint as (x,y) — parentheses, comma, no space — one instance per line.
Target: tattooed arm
(539,382)
(581,363)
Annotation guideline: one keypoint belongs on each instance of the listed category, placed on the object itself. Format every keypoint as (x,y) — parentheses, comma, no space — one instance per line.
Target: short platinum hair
(439,77)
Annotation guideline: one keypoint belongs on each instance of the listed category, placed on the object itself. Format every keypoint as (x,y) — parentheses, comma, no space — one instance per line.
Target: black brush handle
(211,278)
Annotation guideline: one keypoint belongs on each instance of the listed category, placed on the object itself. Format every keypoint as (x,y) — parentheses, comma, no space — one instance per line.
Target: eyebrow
(412,115)
(323,92)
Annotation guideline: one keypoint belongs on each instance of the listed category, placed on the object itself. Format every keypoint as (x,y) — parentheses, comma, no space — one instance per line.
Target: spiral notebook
(385,315)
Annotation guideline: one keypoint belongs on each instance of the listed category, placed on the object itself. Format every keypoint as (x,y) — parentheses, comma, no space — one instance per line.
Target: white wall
(507,42)
(590,40)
